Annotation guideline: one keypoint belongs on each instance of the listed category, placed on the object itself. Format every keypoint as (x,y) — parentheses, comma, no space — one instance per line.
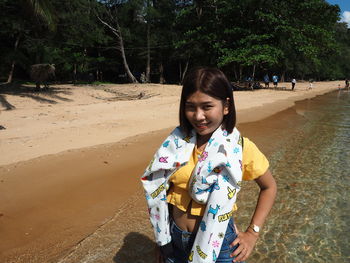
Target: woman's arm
(247,239)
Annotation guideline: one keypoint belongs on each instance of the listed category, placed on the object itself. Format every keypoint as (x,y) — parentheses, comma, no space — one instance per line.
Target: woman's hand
(246,242)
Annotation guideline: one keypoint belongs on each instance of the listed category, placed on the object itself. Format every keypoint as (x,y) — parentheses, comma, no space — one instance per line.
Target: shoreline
(72,193)
(81,119)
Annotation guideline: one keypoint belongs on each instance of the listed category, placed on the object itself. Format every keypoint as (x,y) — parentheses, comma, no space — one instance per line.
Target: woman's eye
(189,107)
(207,107)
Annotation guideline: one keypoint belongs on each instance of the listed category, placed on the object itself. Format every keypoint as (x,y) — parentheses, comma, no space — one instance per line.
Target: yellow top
(254,165)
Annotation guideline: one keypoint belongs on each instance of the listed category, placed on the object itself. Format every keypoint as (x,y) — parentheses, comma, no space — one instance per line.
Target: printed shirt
(255,164)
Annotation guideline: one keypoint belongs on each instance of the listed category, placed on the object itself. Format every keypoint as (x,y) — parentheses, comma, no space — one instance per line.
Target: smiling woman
(193,180)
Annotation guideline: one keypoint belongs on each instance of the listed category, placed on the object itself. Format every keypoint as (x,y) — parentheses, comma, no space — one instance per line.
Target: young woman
(192,182)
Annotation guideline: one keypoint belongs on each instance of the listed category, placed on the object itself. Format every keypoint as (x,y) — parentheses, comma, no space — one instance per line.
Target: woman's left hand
(246,242)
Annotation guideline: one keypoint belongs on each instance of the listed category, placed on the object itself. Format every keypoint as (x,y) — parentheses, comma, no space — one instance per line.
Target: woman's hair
(214,83)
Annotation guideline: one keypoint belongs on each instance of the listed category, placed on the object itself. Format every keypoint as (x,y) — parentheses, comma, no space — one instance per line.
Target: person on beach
(346,84)
(275,81)
(311,83)
(293,83)
(192,182)
(267,81)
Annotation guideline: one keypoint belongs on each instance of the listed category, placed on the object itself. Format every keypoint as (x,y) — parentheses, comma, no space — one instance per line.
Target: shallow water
(310,159)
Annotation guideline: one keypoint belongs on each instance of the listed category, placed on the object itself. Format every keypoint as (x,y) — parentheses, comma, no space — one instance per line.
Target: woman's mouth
(202,126)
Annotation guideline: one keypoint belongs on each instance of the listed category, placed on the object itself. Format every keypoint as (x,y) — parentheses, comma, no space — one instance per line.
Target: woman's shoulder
(251,152)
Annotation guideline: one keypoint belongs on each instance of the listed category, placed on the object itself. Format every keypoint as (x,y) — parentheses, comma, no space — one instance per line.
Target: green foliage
(299,38)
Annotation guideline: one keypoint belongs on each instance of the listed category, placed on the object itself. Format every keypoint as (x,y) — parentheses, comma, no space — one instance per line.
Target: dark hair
(214,83)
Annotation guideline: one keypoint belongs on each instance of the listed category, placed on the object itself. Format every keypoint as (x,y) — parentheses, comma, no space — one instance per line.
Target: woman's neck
(202,141)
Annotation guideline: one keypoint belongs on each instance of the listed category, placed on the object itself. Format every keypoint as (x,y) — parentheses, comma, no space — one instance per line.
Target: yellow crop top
(254,162)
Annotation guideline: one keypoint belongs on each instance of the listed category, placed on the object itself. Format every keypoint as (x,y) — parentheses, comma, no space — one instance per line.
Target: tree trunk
(125,63)
(253,72)
(235,72)
(180,70)
(240,72)
(120,45)
(148,67)
(74,74)
(283,76)
(161,71)
(10,77)
(186,68)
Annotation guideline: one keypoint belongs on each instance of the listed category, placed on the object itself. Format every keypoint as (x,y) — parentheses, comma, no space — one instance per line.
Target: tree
(109,18)
(37,10)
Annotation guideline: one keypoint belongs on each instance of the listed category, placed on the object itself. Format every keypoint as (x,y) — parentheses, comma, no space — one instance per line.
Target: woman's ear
(226,106)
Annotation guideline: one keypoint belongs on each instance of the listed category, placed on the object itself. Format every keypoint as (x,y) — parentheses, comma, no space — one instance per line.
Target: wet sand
(51,203)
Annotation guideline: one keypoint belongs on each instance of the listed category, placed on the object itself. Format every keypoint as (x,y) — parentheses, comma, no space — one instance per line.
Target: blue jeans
(183,241)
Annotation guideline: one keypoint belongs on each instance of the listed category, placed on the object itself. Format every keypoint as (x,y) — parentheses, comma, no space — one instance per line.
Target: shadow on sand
(50,95)
(137,248)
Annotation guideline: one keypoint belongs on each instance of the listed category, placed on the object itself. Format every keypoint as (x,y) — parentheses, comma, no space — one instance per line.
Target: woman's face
(205,113)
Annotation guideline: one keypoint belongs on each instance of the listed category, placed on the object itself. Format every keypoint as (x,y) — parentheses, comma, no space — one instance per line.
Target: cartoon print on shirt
(158,229)
(221,235)
(190,257)
(222,149)
(210,189)
(177,144)
(166,143)
(210,141)
(231,192)
(201,253)
(236,150)
(240,140)
(209,167)
(187,139)
(203,226)
(204,156)
(211,234)
(163,159)
(218,170)
(204,180)
(213,211)
(214,256)
(215,243)
(151,163)
(148,178)
(225,178)
(199,170)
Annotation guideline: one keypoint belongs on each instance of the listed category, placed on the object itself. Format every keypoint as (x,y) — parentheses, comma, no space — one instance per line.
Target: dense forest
(159,40)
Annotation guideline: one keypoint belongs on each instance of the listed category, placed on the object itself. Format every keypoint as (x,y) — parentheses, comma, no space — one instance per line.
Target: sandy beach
(71,158)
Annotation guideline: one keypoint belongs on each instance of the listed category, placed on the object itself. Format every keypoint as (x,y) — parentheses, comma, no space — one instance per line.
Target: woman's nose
(199,115)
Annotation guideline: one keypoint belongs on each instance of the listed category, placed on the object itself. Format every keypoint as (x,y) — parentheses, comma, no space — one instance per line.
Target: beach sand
(71,159)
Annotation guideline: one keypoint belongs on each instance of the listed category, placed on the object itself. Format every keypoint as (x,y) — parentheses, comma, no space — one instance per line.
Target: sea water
(310,220)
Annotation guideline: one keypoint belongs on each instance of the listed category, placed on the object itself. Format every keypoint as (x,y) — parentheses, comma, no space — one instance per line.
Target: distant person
(275,81)
(311,85)
(267,81)
(347,84)
(192,182)
(293,83)
(143,77)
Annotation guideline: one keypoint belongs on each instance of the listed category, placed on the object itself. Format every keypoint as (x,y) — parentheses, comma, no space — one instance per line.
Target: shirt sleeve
(255,163)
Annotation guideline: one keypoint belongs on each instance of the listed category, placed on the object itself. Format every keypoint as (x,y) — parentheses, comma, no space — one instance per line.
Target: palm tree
(41,9)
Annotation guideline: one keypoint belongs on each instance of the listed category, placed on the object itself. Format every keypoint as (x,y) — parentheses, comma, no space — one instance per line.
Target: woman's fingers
(243,255)
(235,242)
(236,229)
